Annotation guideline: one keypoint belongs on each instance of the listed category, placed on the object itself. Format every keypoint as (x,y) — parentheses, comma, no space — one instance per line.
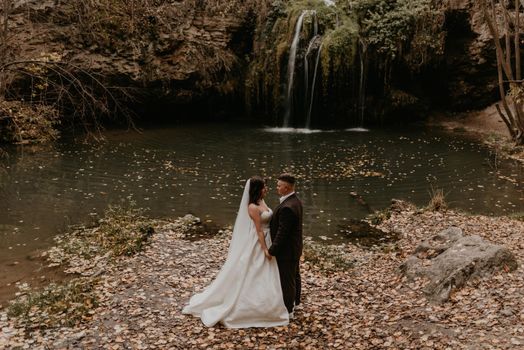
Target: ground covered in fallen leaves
(363,304)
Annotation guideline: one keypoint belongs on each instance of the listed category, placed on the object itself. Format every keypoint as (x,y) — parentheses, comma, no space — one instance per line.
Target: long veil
(243,222)
(220,296)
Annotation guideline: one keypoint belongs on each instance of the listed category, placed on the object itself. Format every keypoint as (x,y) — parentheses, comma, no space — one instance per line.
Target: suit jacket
(286,230)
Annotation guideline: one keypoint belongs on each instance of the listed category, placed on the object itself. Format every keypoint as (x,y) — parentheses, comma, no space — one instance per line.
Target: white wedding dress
(246,292)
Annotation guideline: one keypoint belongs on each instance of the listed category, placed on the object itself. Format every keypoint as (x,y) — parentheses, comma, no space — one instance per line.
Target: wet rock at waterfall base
(361,233)
(449,259)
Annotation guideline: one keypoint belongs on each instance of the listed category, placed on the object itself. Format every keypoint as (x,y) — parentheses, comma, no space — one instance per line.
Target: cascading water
(362,85)
(320,44)
(308,120)
(291,67)
(306,58)
(315,24)
(306,68)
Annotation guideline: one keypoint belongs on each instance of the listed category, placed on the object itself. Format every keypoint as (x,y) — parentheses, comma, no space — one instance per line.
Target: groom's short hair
(286,177)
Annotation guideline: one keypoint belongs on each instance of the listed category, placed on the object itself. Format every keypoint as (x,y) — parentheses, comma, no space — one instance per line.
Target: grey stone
(507,311)
(449,259)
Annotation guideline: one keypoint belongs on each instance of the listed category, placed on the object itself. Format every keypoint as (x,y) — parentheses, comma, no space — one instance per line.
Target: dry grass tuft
(437,201)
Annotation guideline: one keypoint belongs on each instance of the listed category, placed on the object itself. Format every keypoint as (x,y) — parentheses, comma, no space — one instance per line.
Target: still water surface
(201,169)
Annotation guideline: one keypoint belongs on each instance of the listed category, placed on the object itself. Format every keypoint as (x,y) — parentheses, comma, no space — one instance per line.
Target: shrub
(26,123)
(56,305)
(124,231)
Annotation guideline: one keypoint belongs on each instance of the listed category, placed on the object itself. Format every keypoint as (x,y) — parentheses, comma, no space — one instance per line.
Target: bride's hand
(266,253)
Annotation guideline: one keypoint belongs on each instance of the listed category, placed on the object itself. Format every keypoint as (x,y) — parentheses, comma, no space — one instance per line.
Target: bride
(246,292)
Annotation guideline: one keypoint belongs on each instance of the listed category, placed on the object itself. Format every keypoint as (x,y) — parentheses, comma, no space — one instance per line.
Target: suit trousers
(290,281)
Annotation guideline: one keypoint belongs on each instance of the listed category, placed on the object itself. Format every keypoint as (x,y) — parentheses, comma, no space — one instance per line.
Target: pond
(201,169)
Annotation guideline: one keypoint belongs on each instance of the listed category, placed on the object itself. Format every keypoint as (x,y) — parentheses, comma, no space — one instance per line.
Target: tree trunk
(508,62)
(4,35)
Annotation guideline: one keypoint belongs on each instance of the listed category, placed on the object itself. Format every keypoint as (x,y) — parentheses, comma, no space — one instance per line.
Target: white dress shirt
(283,198)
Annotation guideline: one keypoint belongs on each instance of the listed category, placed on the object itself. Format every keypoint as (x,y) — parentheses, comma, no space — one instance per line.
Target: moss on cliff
(385,33)
(266,80)
(403,29)
(339,49)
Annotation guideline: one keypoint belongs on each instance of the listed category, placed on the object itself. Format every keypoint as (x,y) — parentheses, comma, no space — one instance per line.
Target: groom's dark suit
(286,235)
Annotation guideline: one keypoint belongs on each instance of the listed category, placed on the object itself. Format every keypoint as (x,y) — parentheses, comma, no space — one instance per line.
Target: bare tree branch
(71,86)
(517,40)
(505,120)
(506,66)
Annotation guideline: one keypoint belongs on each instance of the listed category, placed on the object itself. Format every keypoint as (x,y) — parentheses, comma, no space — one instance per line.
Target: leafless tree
(503,18)
(72,90)
(6,8)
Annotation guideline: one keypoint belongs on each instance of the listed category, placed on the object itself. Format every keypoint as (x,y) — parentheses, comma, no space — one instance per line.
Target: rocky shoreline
(484,126)
(353,296)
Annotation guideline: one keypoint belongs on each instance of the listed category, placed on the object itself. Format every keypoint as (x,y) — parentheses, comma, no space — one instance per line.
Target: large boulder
(449,259)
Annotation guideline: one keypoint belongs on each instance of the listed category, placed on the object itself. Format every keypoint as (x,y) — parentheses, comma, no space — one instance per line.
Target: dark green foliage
(339,50)
(389,31)
(265,83)
(412,28)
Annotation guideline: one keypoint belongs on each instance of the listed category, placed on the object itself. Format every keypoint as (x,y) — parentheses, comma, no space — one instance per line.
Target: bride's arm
(254,214)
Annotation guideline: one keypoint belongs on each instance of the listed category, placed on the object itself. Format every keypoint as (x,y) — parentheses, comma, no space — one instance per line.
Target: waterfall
(308,120)
(291,67)
(306,58)
(315,24)
(306,69)
(362,85)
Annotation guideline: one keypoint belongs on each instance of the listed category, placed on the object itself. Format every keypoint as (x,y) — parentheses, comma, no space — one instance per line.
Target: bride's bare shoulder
(253,207)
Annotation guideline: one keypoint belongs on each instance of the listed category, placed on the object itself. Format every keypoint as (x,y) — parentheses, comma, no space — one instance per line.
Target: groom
(286,235)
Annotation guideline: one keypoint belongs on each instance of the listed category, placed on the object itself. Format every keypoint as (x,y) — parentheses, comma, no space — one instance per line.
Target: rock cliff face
(177,52)
(465,76)
(470,64)
(194,55)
